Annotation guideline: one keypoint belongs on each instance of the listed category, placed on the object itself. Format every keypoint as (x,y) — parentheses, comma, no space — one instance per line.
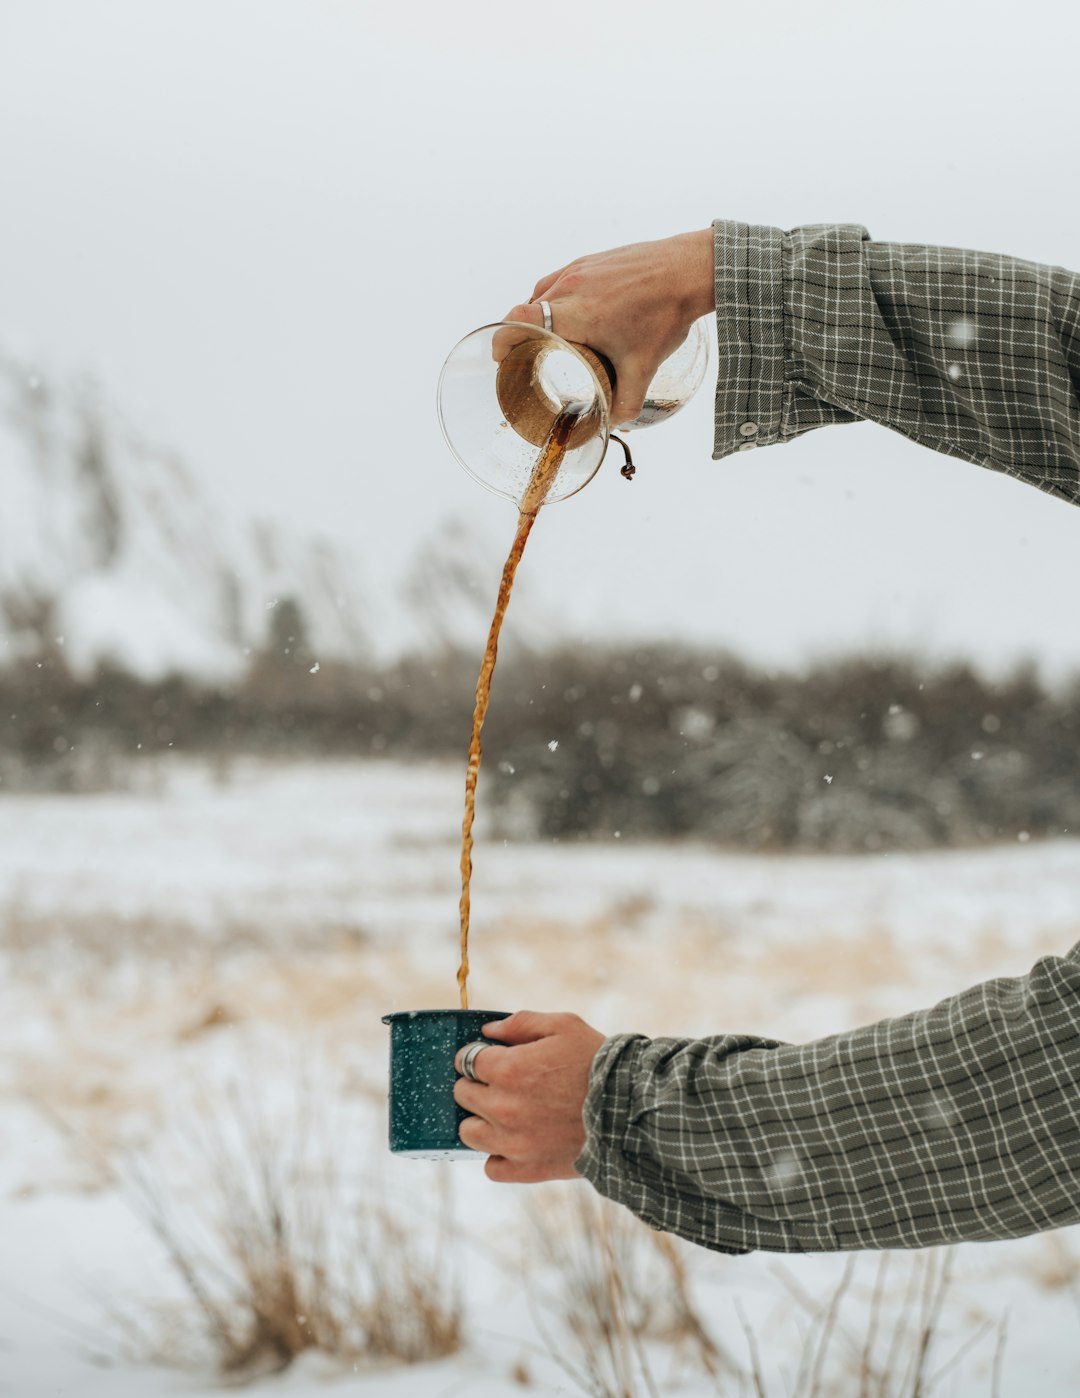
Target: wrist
(699,274)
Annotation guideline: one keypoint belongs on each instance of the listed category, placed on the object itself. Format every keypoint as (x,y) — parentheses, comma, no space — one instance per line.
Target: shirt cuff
(749,336)
(656,1196)
(611,1081)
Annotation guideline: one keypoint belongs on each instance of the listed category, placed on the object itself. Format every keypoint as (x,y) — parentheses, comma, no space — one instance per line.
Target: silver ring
(468,1059)
(545,306)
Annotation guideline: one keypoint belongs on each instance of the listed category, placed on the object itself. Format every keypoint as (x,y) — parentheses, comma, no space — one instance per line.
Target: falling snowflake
(553,744)
(960,333)
(315,669)
(784,1170)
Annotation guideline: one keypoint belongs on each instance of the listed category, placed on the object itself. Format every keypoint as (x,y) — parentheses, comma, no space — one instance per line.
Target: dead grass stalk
(276,1250)
(894,1355)
(608,1284)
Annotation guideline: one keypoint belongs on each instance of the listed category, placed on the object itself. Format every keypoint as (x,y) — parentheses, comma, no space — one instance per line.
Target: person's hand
(634,304)
(526,1108)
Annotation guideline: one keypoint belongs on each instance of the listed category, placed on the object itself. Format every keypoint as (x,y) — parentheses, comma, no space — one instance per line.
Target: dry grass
(74,945)
(276,1251)
(901,1347)
(414,1312)
(608,1285)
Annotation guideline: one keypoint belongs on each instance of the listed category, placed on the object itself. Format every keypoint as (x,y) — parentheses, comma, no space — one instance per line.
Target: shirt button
(747,446)
(748,429)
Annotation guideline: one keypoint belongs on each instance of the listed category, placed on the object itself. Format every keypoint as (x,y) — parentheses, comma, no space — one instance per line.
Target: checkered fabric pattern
(957,1122)
(970,353)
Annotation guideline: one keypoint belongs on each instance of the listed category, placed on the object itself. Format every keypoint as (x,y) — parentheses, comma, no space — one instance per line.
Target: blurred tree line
(656,741)
(851,755)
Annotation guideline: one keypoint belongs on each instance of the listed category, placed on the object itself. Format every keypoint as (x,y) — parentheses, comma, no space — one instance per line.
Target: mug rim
(397,1015)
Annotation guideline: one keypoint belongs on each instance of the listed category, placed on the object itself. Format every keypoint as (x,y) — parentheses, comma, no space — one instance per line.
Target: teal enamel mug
(424,1118)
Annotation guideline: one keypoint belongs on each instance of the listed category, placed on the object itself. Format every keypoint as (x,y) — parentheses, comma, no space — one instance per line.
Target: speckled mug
(424,1118)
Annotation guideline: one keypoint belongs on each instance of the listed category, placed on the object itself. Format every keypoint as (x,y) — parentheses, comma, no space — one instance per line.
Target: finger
(546,283)
(477,1134)
(529,312)
(503,1170)
(487,1065)
(460,1056)
(492,1103)
(505,338)
(470,1096)
(632,382)
(525,1027)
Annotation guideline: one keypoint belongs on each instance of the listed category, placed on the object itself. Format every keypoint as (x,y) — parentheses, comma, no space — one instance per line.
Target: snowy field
(191,980)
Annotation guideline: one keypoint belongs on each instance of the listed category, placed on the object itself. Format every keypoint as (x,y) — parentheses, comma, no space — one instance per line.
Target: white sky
(263,223)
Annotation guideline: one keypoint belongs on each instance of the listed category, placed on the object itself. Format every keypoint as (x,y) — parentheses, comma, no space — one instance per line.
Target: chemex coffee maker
(504,387)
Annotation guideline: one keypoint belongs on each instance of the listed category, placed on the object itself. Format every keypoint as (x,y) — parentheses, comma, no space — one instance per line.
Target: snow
(250,927)
(118,546)
(146,633)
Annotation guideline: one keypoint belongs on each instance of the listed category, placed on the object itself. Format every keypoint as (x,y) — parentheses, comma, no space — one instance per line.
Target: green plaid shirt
(958,1122)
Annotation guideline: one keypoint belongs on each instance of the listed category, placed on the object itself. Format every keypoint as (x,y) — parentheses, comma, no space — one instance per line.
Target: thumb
(631,384)
(524,1027)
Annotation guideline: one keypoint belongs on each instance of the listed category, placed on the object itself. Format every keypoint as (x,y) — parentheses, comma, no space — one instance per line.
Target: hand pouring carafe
(503,388)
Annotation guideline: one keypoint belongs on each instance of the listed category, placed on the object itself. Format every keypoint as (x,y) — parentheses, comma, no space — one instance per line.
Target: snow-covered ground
(250,929)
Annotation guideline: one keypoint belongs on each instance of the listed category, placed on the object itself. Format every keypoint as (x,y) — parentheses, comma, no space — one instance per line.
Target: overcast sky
(263,225)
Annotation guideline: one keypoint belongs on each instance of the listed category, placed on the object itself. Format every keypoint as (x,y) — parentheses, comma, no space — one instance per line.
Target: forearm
(958,1122)
(971,354)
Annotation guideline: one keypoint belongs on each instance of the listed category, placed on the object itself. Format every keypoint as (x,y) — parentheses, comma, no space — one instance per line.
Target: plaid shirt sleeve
(972,354)
(960,1122)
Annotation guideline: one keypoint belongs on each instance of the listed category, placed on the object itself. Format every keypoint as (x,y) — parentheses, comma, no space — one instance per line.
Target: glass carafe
(504,386)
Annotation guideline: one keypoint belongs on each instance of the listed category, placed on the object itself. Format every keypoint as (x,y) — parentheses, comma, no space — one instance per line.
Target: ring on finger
(468,1059)
(545,306)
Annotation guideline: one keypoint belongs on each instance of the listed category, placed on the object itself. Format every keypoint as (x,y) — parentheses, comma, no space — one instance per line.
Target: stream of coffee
(544,473)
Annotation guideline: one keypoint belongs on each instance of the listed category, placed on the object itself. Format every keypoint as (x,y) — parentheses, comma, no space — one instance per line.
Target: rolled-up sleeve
(972,354)
(961,1122)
